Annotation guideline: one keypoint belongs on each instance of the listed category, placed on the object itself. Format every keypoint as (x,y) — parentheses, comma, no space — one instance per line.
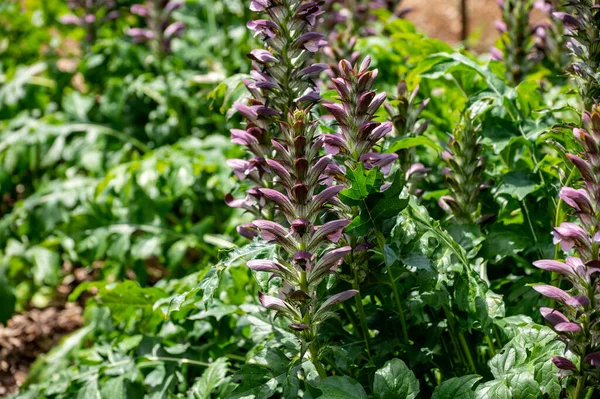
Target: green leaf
(376,207)
(341,388)
(498,133)
(410,142)
(497,389)
(90,389)
(519,184)
(395,380)
(256,383)
(114,389)
(363,182)
(456,388)
(211,379)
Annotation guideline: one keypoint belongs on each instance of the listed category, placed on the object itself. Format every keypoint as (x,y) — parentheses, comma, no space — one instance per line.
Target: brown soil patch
(28,335)
(441,19)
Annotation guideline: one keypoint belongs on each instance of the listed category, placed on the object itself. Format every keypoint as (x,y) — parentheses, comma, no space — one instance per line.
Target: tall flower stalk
(583,23)
(405,113)
(575,319)
(463,174)
(160,30)
(356,143)
(90,15)
(520,41)
(294,195)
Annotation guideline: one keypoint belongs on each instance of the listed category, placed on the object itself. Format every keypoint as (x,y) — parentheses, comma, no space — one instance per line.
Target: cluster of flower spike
(583,23)
(160,30)
(283,82)
(576,323)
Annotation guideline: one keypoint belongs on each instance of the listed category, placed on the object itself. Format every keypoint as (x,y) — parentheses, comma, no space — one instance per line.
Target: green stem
(315,360)
(361,312)
(450,319)
(490,345)
(398,305)
(580,388)
(351,317)
(465,346)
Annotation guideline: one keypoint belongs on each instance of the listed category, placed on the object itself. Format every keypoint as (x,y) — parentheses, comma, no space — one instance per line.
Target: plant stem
(580,388)
(352,319)
(463,341)
(452,335)
(361,312)
(590,392)
(398,304)
(490,345)
(315,360)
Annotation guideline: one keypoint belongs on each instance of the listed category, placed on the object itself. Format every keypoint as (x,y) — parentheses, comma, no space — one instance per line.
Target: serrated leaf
(456,388)
(497,389)
(341,388)
(395,380)
(210,380)
(519,184)
(363,182)
(89,390)
(256,383)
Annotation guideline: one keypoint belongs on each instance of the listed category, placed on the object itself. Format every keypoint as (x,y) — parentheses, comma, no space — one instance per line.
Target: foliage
(114,141)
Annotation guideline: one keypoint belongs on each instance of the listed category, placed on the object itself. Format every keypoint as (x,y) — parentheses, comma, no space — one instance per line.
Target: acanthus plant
(520,42)
(160,30)
(90,15)
(356,144)
(405,114)
(583,25)
(294,196)
(464,174)
(576,318)
(349,20)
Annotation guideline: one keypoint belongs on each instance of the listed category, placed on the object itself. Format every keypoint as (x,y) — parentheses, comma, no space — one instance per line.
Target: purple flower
(552,292)
(259,5)
(496,54)
(311,41)
(263,27)
(553,316)
(70,19)
(140,10)
(382,161)
(174,30)
(261,55)
(564,363)
(160,29)
(569,21)
(140,35)
(570,235)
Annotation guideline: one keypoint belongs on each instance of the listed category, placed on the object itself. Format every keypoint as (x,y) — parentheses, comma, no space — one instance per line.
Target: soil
(441,19)
(28,335)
